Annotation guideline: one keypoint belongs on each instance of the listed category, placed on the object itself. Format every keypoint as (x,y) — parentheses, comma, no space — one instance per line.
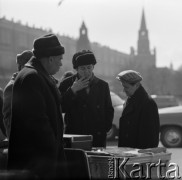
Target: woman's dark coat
(88,113)
(36,135)
(139,123)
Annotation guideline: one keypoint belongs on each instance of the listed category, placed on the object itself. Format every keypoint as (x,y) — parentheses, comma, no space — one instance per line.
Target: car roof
(165,100)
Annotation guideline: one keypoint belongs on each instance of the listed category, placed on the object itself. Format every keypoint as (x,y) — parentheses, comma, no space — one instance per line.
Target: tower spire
(144,56)
(143,40)
(143,23)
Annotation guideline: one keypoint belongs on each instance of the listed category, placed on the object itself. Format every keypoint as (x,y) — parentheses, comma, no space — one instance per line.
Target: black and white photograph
(90,89)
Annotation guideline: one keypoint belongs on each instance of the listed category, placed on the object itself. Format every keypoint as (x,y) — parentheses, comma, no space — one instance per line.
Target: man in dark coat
(36,136)
(21,60)
(86,101)
(139,123)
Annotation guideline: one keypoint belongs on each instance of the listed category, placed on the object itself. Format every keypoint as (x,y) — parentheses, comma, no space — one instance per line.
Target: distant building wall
(109,61)
(16,37)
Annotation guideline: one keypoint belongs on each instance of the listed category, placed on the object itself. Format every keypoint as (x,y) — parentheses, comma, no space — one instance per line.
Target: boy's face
(85,71)
(129,89)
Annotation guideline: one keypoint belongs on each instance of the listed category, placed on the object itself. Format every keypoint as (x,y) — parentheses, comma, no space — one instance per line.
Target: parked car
(117,103)
(165,100)
(171,126)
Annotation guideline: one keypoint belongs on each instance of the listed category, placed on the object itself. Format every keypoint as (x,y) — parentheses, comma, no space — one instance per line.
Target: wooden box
(78,141)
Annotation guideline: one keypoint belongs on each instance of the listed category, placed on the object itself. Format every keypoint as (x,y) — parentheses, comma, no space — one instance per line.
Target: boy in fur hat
(86,100)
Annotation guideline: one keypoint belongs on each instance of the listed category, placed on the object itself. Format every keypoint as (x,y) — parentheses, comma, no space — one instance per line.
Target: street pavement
(176,155)
(176,158)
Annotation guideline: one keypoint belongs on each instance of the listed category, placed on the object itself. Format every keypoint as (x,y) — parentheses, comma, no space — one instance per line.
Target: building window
(6,36)
(22,40)
(6,60)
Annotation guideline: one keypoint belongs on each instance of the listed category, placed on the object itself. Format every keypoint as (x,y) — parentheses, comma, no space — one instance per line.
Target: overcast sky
(114,23)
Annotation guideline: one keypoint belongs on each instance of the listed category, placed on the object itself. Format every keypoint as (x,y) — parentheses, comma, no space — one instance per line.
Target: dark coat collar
(139,96)
(36,64)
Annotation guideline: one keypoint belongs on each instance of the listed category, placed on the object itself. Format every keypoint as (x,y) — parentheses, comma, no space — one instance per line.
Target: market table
(88,162)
